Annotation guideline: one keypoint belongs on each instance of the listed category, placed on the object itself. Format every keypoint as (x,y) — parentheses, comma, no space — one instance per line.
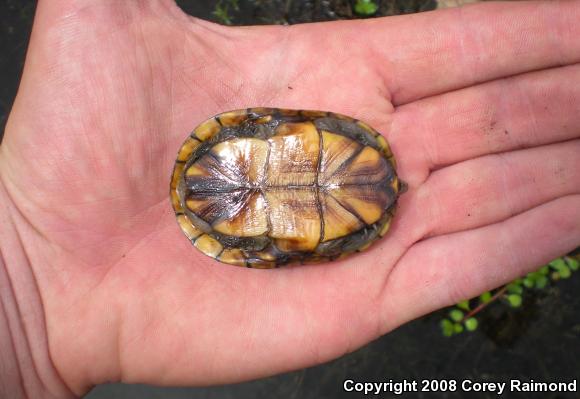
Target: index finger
(431,53)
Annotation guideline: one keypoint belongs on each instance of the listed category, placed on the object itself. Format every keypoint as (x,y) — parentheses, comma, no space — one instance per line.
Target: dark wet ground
(540,341)
(250,12)
(15,22)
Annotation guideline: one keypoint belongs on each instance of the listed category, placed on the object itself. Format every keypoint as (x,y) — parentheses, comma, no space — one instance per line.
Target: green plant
(366,7)
(461,317)
(222,11)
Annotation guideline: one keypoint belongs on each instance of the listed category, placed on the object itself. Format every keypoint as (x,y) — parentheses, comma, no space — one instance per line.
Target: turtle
(267,187)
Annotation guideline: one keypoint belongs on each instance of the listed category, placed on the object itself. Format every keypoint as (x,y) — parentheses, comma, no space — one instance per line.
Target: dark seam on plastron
(263,184)
(317,186)
(347,161)
(220,252)
(349,209)
(220,163)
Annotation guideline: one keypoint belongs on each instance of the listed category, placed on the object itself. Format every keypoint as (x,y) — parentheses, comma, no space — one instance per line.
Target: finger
(443,270)
(524,111)
(109,11)
(431,53)
(490,189)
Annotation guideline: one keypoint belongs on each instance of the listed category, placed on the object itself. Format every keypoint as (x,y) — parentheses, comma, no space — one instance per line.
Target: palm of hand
(88,159)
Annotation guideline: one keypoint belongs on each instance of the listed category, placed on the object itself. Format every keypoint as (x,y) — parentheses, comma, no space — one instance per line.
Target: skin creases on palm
(111,90)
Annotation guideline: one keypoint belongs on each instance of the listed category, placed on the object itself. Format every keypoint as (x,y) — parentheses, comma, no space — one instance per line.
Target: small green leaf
(221,11)
(545,270)
(457,328)
(565,272)
(561,268)
(528,282)
(485,297)
(515,300)
(541,282)
(365,7)
(471,324)
(463,305)
(446,327)
(535,275)
(557,264)
(555,276)
(456,314)
(514,288)
(572,263)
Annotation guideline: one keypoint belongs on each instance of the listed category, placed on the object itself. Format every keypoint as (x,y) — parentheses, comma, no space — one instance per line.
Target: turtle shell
(266,187)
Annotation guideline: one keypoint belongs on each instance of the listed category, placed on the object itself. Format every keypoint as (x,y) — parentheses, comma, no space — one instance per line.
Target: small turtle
(265,187)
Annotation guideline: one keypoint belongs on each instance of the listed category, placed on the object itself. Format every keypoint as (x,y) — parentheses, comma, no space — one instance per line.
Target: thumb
(67,35)
(62,25)
(50,12)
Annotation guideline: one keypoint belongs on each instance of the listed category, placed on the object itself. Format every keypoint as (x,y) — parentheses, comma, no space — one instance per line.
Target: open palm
(478,105)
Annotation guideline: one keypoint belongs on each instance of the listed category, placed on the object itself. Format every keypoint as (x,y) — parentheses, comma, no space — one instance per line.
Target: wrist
(26,369)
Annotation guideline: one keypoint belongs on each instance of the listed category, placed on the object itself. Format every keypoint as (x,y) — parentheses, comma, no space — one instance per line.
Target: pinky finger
(446,269)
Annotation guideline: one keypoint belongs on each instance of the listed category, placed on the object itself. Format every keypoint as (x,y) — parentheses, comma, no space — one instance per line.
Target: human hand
(477,104)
